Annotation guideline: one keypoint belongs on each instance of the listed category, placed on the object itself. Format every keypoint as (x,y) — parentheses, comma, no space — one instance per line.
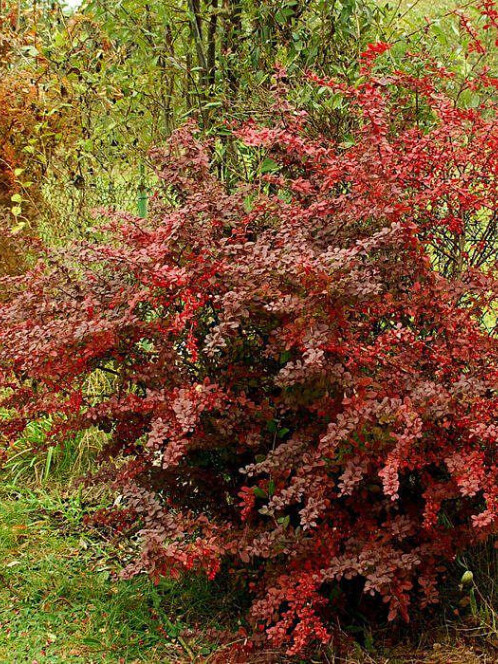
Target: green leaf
(272,426)
(18,227)
(285,357)
(269,166)
(31,50)
(336,101)
(259,493)
(284,521)
(348,142)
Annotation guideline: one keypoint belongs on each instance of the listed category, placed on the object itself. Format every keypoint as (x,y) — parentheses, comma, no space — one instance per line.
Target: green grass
(60,600)
(421,8)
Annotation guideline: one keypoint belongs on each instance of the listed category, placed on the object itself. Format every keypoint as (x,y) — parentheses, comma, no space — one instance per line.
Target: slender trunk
(233,32)
(211,51)
(194,7)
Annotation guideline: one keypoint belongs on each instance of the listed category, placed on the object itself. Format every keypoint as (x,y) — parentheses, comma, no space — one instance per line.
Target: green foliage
(128,73)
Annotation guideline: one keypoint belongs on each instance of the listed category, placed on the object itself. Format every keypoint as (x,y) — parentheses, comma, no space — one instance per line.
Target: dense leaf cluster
(31,122)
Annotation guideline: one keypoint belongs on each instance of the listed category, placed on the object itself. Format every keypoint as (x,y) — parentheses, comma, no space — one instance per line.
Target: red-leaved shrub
(298,394)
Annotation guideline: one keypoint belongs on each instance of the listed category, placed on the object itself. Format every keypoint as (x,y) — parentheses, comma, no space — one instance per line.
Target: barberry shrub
(297,395)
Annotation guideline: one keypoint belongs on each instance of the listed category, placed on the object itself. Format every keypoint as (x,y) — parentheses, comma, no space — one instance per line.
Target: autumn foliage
(298,396)
(32,118)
